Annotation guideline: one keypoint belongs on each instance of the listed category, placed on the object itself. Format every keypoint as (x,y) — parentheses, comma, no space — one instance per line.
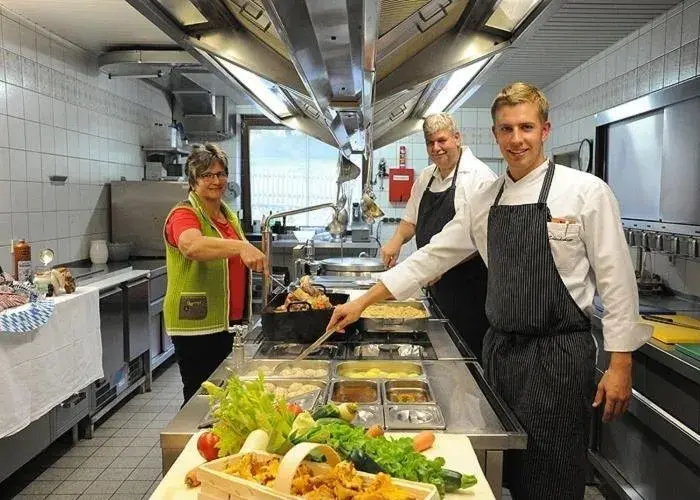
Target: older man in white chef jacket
(550,236)
(440,190)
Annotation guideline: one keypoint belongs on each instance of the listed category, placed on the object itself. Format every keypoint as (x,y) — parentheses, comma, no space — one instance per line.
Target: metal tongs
(315,345)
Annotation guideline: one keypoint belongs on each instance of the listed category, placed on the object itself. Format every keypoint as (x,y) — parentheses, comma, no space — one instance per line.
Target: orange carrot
(375,431)
(423,441)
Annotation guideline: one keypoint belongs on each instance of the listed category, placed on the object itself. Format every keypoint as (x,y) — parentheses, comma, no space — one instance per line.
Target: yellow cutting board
(672,334)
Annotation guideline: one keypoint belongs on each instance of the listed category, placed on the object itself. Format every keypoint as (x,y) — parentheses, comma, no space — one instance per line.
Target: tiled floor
(122,461)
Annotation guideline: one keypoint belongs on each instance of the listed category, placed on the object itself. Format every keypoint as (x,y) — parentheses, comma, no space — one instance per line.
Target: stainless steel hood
(357,74)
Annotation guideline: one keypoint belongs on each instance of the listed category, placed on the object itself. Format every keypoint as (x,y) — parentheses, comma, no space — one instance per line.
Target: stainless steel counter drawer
(156,286)
(69,413)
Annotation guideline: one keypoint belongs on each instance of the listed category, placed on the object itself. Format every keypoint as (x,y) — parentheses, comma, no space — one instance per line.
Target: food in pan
(303,372)
(266,370)
(407,396)
(294,389)
(393,312)
(349,393)
(377,373)
(342,481)
(308,293)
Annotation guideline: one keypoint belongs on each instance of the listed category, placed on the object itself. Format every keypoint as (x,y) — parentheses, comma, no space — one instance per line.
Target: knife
(669,321)
(315,345)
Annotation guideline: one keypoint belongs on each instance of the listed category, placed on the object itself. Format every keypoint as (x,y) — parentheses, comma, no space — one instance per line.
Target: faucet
(267,240)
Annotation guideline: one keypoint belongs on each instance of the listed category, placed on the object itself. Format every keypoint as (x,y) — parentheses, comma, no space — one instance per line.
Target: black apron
(539,354)
(464,281)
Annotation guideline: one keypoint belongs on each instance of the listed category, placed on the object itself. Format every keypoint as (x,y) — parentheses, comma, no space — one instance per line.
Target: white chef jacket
(472,176)
(588,252)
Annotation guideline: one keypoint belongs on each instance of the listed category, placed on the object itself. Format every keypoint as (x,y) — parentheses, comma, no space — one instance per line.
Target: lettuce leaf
(245,407)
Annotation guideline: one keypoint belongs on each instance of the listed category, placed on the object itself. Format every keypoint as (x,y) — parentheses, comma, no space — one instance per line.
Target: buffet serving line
(406,375)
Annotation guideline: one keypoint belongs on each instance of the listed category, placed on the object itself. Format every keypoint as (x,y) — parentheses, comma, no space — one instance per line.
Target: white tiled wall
(59,115)
(661,53)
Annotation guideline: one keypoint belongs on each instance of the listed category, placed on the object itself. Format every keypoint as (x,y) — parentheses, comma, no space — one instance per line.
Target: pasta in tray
(393,312)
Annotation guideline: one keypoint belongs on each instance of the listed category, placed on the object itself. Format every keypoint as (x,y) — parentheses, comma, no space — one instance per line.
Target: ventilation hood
(357,74)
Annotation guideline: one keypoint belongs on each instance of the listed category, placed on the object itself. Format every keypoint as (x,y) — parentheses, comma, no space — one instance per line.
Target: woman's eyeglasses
(209,176)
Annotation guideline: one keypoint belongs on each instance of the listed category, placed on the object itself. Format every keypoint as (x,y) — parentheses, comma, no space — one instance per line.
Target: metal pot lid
(364,264)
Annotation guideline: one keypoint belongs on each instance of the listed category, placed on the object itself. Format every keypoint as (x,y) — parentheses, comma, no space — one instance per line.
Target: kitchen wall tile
(671,67)
(31,105)
(73,170)
(45,109)
(47,139)
(84,144)
(84,166)
(691,23)
(13,68)
(5,199)
(61,165)
(673,32)
(36,227)
(620,64)
(4,132)
(73,141)
(20,226)
(44,78)
(49,221)
(2,65)
(660,19)
(11,38)
(94,147)
(4,164)
(59,113)
(658,41)
(43,50)
(656,74)
(3,98)
(643,79)
(5,232)
(28,42)
(19,196)
(62,200)
(34,197)
(632,54)
(48,168)
(15,100)
(29,74)
(18,165)
(675,10)
(33,166)
(71,116)
(60,144)
(83,120)
(16,132)
(32,136)
(57,56)
(644,48)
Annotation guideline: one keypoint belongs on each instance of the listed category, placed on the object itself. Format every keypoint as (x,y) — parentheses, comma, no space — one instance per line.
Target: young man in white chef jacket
(439,192)
(550,236)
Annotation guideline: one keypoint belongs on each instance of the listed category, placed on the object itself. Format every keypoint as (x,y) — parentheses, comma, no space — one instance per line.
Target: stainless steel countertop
(468,403)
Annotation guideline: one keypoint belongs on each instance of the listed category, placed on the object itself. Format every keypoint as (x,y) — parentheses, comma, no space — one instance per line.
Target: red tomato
(206,445)
(294,409)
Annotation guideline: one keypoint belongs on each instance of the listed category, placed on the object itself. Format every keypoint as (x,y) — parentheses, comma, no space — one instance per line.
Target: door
(137,301)
(112,331)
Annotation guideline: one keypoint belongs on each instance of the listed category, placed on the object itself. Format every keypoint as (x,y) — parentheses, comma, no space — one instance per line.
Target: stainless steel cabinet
(137,325)
(112,332)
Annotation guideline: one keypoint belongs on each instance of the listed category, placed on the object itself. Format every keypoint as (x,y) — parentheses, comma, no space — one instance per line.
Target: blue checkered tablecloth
(26,318)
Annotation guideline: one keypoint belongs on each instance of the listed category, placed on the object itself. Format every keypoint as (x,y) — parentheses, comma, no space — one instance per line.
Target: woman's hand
(345,314)
(253,258)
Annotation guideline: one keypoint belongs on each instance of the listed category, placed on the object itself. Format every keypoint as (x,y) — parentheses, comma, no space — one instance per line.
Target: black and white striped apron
(539,354)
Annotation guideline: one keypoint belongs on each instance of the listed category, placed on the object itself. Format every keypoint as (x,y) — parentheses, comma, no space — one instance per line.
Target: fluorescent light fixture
(458,80)
(267,92)
(510,13)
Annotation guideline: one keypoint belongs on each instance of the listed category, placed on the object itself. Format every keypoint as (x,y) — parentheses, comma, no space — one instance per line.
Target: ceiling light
(510,13)
(265,91)
(456,83)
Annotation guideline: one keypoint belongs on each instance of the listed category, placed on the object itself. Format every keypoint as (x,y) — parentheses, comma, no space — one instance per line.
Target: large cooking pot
(351,266)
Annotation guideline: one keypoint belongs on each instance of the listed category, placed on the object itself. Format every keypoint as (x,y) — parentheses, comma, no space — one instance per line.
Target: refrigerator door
(139,210)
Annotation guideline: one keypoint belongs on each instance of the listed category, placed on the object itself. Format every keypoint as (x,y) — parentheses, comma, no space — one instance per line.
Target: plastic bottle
(22,252)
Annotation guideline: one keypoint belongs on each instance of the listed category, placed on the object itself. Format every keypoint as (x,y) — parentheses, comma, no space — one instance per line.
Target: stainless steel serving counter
(468,403)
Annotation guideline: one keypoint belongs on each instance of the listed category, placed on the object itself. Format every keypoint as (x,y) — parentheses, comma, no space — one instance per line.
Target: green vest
(197,296)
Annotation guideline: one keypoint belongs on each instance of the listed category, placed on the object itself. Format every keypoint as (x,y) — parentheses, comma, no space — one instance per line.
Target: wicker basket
(217,485)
